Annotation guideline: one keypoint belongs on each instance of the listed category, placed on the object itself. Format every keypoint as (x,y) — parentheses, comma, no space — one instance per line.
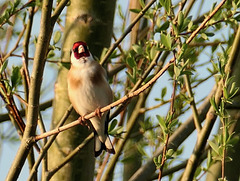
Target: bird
(88,91)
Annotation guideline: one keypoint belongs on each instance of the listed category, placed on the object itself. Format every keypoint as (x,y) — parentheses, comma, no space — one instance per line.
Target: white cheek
(73,59)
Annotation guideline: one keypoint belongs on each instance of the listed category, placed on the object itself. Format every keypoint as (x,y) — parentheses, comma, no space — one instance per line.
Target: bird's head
(80,54)
(80,50)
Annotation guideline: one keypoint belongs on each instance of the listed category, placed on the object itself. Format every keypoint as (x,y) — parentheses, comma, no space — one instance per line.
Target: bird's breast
(88,90)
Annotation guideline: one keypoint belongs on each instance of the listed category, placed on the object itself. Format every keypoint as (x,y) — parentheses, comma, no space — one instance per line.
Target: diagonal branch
(49,143)
(210,118)
(43,106)
(16,11)
(110,106)
(58,11)
(141,173)
(34,91)
(70,156)
(175,140)
(128,30)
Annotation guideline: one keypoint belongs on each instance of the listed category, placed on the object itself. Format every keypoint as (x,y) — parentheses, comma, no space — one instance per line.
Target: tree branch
(49,143)
(70,156)
(210,118)
(110,106)
(175,141)
(128,30)
(43,106)
(58,11)
(34,92)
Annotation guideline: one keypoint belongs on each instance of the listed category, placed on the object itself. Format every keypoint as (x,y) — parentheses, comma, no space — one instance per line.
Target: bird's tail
(99,146)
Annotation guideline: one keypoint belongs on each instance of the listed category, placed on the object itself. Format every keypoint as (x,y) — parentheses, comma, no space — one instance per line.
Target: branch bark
(175,140)
(46,26)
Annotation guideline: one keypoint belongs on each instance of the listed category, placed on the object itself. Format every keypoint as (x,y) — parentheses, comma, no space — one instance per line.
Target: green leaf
(131,62)
(141,2)
(186,72)
(209,159)
(157,161)
(67,65)
(51,54)
(213,103)
(3,66)
(16,77)
(214,146)
(210,34)
(31,4)
(225,92)
(180,19)
(183,49)
(190,24)
(168,6)
(164,92)
(233,90)
(120,12)
(197,172)
(204,36)
(173,124)
(166,41)
(137,49)
(131,77)
(185,64)
(114,54)
(56,37)
(135,10)
(117,132)
(153,52)
(162,123)
(177,71)
(112,125)
(170,153)
(104,51)
(148,78)
(163,27)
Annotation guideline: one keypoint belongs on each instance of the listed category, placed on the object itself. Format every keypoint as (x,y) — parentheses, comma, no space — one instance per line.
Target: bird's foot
(98,113)
(83,121)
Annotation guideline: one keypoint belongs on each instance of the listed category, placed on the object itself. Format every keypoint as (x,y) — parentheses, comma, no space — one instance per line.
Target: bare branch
(34,92)
(128,30)
(49,143)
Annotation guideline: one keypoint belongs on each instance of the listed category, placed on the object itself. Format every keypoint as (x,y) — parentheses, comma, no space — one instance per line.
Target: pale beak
(81,49)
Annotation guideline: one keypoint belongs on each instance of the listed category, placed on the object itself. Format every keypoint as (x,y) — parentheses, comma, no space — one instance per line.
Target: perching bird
(88,91)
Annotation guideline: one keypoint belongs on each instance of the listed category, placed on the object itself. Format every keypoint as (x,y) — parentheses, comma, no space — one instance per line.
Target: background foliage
(173,67)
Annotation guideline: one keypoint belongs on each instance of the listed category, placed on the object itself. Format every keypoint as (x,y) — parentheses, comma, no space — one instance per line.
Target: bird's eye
(75,49)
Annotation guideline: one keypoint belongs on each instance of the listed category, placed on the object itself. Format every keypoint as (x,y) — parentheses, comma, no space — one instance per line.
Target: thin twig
(15,46)
(49,143)
(110,106)
(43,106)
(128,30)
(34,90)
(58,11)
(205,22)
(171,112)
(210,118)
(70,156)
(15,12)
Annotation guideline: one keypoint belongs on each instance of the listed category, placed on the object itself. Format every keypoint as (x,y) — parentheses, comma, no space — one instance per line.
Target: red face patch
(84,53)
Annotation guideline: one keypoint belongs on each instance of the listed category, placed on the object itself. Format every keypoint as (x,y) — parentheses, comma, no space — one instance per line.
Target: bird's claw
(83,121)
(98,113)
